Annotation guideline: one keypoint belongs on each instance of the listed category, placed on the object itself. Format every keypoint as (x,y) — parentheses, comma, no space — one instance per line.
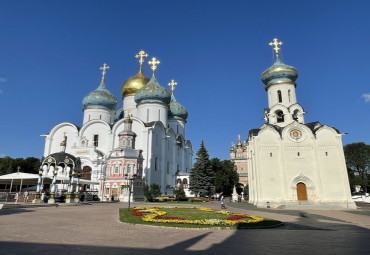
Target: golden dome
(232,149)
(133,84)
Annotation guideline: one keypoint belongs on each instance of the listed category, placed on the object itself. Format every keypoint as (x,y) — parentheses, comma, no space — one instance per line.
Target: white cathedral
(292,163)
(146,139)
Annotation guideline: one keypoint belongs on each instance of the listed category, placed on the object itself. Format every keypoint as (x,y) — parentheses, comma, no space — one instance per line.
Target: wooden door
(301,191)
(115,194)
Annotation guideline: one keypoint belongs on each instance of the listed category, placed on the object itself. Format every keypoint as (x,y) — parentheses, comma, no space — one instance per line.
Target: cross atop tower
(104,71)
(154,62)
(141,55)
(275,42)
(172,84)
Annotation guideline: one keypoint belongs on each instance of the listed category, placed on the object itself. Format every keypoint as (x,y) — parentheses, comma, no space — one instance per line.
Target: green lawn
(127,217)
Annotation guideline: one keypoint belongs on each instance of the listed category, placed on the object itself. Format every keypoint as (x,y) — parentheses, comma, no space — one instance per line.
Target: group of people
(18,195)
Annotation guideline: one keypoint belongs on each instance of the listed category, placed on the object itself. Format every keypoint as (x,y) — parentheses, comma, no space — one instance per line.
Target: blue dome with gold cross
(101,97)
(177,110)
(279,72)
(153,92)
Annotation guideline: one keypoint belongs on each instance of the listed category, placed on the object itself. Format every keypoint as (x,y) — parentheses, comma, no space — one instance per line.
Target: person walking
(16,197)
(223,202)
(26,196)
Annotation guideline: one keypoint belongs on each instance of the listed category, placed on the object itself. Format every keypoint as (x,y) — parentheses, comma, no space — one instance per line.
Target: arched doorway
(301,192)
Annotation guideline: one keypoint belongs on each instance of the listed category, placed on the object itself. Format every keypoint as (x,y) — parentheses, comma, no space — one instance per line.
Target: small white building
(292,163)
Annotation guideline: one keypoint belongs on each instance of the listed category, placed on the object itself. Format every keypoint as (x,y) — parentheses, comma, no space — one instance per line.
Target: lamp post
(129,187)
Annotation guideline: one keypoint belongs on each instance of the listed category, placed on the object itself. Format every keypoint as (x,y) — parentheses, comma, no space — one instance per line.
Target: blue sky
(51,51)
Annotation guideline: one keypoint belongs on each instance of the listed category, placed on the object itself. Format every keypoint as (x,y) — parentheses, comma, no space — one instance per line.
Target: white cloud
(2,155)
(3,79)
(366,97)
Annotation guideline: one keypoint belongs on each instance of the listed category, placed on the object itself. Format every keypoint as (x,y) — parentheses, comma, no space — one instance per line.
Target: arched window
(179,182)
(279,116)
(289,95)
(185,182)
(295,114)
(279,96)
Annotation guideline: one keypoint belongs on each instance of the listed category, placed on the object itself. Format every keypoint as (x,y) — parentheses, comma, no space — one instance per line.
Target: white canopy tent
(21,179)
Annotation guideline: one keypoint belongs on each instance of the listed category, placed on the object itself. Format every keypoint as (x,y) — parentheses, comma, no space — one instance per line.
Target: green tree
(358,163)
(9,165)
(179,193)
(202,175)
(152,192)
(226,176)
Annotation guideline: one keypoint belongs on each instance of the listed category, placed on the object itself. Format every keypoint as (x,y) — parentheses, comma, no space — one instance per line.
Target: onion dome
(136,82)
(176,110)
(153,92)
(232,149)
(239,144)
(279,73)
(100,98)
(133,84)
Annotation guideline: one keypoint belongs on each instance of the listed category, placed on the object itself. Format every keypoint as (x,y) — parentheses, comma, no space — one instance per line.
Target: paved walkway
(95,229)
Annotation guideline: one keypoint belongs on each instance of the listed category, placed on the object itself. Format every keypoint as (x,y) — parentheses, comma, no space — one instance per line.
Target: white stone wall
(277,164)
(98,114)
(149,112)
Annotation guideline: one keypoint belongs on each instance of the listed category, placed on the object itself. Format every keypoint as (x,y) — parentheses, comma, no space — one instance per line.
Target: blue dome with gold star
(279,73)
(100,98)
(153,92)
(177,110)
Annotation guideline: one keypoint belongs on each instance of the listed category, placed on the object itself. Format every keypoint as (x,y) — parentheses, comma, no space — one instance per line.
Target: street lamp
(129,187)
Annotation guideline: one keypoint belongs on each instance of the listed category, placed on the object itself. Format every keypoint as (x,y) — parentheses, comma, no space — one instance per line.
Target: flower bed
(157,215)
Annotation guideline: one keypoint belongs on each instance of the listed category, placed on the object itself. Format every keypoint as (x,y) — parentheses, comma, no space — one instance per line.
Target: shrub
(152,192)
(180,194)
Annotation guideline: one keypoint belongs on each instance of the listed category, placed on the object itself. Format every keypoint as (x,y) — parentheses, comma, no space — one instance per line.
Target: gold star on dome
(141,55)
(154,62)
(104,70)
(172,84)
(275,42)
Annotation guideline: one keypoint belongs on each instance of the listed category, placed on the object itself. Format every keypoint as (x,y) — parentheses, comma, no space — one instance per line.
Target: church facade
(239,156)
(145,140)
(292,163)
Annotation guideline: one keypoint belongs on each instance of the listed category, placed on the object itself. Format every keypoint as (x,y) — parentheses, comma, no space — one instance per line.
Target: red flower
(237,217)
(136,212)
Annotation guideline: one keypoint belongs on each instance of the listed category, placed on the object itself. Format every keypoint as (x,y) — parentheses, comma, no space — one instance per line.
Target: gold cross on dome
(104,70)
(172,84)
(141,55)
(154,62)
(276,44)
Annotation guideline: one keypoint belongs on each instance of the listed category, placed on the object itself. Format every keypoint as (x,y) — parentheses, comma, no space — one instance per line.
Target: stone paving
(95,229)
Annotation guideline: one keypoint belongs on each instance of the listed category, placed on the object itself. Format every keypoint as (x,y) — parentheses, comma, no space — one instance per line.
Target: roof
(313,126)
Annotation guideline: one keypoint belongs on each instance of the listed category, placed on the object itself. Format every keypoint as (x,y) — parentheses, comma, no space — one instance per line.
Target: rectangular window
(155,164)
(96,140)
(147,115)
(128,169)
(116,170)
